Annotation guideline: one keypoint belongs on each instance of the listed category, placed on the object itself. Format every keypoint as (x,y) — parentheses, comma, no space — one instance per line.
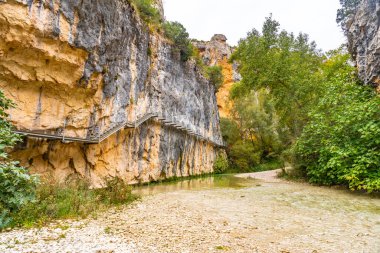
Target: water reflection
(204,183)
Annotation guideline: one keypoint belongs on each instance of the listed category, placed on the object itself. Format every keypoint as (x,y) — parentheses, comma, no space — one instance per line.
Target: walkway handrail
(127,124)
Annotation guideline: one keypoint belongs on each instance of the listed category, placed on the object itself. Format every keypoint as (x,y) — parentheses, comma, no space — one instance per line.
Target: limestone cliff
(363,31)
(80,68)
(217,52)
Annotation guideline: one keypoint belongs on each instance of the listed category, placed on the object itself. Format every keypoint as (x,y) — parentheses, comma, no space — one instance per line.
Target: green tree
(288,67)
(258,124)
(341,143)
(177,33)
(17,187)
(349,8)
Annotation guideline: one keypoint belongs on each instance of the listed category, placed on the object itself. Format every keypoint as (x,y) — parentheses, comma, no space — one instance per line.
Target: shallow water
(196,184)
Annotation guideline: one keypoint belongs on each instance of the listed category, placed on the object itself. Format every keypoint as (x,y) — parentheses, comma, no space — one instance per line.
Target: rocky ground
(271,216)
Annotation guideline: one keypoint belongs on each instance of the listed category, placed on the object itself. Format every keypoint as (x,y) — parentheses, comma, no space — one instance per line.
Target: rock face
(217,52)
(363,30)
(80,68)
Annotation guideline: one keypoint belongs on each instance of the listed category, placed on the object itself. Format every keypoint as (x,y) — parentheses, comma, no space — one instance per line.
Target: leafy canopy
(287,66)
(341,142)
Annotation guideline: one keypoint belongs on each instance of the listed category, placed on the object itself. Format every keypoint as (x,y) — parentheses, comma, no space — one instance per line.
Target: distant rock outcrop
(217,52)
(363,32)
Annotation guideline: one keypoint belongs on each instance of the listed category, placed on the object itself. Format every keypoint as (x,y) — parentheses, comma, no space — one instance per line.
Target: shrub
(341,143)
(177,33)
(17,187)
(244,156)
(147,11)
(215,75)
(221,164)
(71,200)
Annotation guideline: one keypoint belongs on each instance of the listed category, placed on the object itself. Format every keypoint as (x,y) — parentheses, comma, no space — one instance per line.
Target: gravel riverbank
(272,216)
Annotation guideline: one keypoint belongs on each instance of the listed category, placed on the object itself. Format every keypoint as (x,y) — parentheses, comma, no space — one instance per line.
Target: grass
(70,201)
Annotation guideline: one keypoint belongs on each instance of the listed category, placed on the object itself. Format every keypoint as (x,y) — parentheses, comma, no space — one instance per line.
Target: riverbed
(225,214)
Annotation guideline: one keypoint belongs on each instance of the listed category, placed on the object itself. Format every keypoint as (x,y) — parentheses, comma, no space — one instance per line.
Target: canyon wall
(80,68)
(363,32)
(218,52)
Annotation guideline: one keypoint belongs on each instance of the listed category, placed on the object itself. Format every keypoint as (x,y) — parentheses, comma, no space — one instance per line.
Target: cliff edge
(363,33)
(82,68)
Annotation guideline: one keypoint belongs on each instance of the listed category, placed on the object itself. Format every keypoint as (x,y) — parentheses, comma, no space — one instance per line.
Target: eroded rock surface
(79,68)
(364,40)
(217,52)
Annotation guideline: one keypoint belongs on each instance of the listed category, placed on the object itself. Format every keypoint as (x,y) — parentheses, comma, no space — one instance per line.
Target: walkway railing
(125,125)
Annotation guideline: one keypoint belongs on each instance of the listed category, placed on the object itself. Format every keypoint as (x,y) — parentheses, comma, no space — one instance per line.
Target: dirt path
(272,217)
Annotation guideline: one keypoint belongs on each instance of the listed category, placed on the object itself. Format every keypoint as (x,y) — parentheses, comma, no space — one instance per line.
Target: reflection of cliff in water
(204,183)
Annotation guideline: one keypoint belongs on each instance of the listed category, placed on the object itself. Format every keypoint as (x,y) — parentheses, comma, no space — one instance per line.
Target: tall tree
(287,66)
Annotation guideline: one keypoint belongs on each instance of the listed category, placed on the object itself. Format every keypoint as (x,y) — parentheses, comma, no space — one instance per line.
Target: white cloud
(204,18)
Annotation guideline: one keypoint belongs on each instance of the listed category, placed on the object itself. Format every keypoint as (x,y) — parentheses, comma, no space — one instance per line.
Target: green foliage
(341,143)
(7,138)
(251,135)
(221,164)
(71,200)
(243,156)
(116,192)
(286,66)
(348,8)
(215,75)
(177,33)
(258,122)
(230,131)
(147,11)
(17,187)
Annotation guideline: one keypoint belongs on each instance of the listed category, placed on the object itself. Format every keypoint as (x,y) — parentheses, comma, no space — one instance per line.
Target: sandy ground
(274,216)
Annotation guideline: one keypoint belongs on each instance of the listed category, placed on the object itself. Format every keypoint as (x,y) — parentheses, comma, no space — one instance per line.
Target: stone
(363,33)
(217,52)
(82,68)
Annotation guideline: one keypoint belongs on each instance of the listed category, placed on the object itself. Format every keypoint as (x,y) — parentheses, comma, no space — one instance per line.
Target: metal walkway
(125,125)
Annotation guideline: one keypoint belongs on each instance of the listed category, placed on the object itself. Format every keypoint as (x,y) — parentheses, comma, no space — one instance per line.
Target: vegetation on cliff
(304,107)
(147,11)
(348,8)
(177,33)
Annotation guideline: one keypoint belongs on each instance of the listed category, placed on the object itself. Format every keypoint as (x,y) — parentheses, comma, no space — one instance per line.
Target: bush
(244,156)
(215,75)
(71,200)
(147,11)
(221,164)
(177,33)
(17,187)
(341,143)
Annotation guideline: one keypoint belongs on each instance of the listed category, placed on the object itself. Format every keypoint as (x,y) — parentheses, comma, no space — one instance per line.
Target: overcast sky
(234,18)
